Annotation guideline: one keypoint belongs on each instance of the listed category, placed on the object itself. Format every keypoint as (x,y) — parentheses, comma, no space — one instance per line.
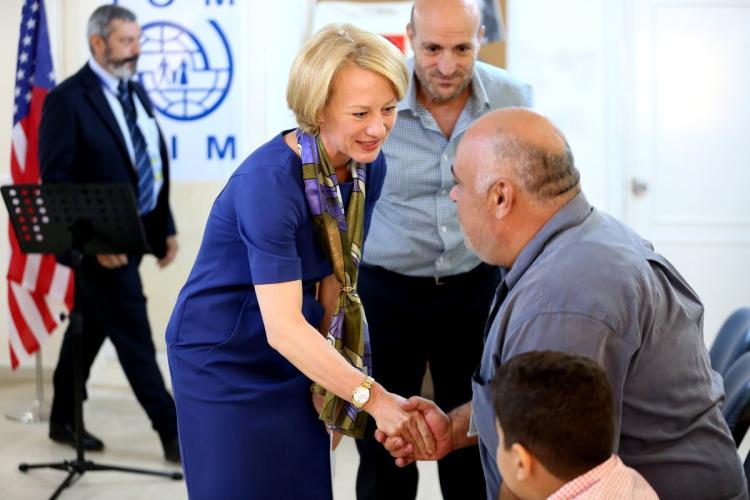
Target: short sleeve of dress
(269,208)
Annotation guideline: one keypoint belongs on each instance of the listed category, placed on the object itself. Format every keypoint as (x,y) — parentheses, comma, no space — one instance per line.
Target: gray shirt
(414,229)
(587,284)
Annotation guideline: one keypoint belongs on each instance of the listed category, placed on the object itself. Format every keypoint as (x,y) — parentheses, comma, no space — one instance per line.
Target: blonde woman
(269,319)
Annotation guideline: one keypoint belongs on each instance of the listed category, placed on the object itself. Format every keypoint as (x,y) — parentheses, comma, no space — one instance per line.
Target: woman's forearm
(291,335)
(294,338)
(314,356)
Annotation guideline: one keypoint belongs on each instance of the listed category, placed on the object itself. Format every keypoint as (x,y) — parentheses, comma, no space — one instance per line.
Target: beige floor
(113,414)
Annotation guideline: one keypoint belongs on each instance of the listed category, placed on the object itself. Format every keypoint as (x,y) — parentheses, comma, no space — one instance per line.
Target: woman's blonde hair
(324,54)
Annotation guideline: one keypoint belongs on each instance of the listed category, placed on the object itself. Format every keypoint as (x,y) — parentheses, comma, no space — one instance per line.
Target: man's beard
(121,68)
(488,246)
(429,86)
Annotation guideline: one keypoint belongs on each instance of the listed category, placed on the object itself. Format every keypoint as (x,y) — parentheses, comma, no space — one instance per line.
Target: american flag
(38,288)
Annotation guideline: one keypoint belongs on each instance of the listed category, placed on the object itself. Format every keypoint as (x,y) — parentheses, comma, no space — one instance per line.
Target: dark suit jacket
(80,142)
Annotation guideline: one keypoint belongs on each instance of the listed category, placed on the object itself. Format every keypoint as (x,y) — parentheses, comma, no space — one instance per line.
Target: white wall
(564,55)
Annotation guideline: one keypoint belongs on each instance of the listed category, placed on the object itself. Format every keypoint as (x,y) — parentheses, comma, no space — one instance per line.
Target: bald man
(579,281)
(420,285)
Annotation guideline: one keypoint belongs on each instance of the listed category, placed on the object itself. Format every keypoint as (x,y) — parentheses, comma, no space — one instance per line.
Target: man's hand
(438,422)
(392,420)
(172,248)
(111,260)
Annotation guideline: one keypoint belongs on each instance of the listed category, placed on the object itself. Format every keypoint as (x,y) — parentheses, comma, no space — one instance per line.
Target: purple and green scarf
(340,234)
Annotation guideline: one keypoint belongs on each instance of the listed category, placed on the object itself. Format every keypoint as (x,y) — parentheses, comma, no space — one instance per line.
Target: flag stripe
(31,270)
(34,317)
(61,277)
(13,358)
(23,332)
(44,312)
(15,168)
(46,270)
(57,309)
(17,259)
(31,170)
(18,351)
(19,146)
(70,291)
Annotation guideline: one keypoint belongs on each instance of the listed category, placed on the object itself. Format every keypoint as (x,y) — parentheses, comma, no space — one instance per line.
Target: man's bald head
(461,11)
(526,147)
(513,171)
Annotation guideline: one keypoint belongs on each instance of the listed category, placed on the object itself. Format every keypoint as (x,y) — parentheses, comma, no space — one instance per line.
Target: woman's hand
(392,420)
(439,423)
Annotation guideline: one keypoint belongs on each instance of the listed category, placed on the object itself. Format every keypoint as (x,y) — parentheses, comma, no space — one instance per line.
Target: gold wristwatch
(361,393)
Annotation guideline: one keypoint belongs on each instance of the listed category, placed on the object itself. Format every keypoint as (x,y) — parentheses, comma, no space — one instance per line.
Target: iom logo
(183,77)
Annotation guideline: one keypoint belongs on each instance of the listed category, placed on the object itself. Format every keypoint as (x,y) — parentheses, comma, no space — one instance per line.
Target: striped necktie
(143,168)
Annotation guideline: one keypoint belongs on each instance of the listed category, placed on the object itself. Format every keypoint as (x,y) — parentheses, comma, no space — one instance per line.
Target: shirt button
(441,259)
(444,192)
(443,228)
(445,157)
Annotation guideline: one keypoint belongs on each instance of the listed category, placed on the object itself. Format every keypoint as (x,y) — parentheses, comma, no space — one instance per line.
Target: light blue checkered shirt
(414,229)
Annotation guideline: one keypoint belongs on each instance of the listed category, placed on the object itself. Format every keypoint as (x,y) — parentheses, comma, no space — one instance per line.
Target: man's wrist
(459,427)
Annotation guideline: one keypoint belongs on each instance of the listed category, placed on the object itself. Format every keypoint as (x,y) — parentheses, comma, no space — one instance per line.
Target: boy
(556,430)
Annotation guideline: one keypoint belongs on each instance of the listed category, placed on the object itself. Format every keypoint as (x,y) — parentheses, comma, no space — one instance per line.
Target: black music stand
(81,219)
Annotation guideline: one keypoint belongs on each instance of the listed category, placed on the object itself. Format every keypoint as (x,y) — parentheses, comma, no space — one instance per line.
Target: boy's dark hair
(559,407)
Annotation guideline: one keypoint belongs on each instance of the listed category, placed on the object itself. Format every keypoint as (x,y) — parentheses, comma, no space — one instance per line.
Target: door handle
(638,187)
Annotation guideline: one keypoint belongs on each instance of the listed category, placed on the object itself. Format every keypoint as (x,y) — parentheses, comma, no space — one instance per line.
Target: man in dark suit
(98,126)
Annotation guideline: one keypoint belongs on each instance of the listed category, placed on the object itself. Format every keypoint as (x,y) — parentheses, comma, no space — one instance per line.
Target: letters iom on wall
(189,50)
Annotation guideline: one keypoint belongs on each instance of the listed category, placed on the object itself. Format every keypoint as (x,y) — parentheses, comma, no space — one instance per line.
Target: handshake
(425,435)
(415,428)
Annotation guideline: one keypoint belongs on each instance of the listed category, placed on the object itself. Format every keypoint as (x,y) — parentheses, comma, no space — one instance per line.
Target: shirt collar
(479,100)
(570,215)
(580,484)
(410,99)
(107,79)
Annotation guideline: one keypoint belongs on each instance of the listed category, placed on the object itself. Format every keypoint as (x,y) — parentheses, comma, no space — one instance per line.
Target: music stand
(82,219)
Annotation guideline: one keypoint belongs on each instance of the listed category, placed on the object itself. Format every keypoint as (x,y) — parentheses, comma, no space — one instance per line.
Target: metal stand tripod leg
(79,466)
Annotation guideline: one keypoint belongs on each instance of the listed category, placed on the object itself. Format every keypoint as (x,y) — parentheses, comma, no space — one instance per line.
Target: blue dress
(247,426)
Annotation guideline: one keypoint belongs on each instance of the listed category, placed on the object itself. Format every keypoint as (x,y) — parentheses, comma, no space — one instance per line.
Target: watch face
(360,395)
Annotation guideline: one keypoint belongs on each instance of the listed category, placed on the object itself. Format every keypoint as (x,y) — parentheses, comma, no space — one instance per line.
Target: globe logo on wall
(186,78)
